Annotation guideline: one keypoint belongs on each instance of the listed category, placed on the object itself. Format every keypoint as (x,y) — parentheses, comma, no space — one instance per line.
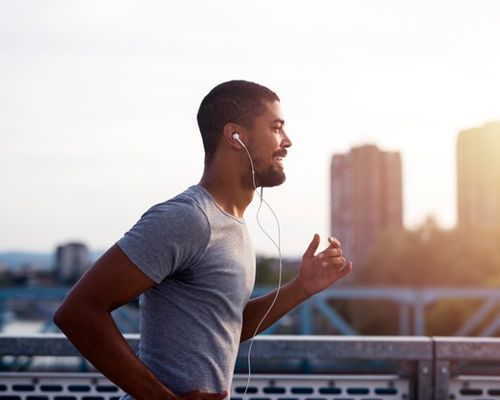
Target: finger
(344,266)
(345,269)
(335,273)
(313,246)
(340,263)
(334,242)
(334,263)
(330,253)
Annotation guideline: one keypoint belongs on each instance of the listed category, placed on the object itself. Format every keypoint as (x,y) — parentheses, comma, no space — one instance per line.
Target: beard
(269,177)
(265,175)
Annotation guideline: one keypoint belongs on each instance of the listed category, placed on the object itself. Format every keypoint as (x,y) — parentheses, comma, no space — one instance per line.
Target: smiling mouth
(279,156)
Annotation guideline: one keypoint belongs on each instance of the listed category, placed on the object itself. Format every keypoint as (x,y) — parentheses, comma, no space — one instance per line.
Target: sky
(98,103)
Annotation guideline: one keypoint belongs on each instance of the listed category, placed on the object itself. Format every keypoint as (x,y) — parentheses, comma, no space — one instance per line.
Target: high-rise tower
(478,178)
(72,260)
(366,198)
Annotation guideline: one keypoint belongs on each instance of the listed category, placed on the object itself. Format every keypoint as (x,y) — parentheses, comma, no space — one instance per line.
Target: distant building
(478,178)
(72,260)
(366,198)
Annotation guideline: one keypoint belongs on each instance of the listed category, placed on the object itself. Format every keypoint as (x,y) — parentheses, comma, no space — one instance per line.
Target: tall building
(478,178)
(72,260)
(366,198)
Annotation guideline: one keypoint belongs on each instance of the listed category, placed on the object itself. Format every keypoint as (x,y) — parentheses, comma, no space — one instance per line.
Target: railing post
(424,380)
(419,317)
(441,379)
(404,318)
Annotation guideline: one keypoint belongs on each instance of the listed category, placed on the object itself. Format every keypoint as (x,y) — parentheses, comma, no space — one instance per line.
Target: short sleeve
(168,238)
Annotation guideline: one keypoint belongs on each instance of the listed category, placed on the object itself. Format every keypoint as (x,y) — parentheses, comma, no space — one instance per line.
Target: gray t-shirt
(203,263)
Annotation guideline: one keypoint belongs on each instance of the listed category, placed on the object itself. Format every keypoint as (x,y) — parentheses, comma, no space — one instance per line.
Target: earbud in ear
(236,136)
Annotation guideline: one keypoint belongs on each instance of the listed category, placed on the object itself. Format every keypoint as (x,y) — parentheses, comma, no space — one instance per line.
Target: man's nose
(285,140)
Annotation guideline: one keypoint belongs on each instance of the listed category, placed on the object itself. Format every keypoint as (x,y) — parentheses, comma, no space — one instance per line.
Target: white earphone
(236,136)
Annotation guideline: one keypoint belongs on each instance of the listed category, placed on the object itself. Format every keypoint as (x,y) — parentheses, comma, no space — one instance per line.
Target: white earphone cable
(278,247)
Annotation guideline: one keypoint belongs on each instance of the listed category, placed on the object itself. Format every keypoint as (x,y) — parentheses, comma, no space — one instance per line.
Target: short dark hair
(236,101)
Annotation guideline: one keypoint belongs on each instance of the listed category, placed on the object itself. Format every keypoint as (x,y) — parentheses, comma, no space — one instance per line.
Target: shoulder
(179,214)
(169,237)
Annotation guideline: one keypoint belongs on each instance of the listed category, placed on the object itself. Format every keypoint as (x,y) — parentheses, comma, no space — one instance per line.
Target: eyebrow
(282,122)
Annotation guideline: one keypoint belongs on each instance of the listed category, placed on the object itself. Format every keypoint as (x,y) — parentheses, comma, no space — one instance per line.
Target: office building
(366,198)
(478,178)
(72,260)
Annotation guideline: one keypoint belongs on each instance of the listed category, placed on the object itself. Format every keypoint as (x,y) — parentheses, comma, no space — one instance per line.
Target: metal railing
(286,367)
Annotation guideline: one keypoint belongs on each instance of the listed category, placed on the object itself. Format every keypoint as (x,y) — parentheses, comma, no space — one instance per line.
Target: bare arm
(316,273)
(85,318)
(290,296)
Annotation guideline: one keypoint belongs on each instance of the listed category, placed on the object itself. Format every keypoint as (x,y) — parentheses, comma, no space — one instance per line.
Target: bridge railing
(287,367)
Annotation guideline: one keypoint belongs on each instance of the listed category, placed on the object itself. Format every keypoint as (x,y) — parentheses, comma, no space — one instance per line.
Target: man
(191,260)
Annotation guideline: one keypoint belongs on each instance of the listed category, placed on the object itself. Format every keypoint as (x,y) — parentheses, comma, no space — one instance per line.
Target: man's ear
(229,130)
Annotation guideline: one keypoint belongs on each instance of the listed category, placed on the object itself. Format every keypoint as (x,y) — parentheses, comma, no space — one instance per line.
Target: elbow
(62,317)
(75,318)
(68,317)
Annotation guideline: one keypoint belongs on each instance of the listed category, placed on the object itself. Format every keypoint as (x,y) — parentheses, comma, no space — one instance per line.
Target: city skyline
(470,141)
(98,104)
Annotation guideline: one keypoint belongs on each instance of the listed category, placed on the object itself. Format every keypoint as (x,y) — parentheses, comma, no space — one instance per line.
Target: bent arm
(316,273)
(85,318)
(290,296)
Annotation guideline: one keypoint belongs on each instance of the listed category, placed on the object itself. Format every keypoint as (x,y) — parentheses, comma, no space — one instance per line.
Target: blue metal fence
(412,309)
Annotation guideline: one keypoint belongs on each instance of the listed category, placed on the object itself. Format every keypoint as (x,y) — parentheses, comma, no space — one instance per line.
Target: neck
(225,186)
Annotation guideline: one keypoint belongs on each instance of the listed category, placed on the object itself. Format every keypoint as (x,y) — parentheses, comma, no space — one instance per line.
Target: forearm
(290,295)
(97,337)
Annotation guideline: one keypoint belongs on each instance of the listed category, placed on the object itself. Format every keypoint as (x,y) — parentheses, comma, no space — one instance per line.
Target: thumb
(313,246)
